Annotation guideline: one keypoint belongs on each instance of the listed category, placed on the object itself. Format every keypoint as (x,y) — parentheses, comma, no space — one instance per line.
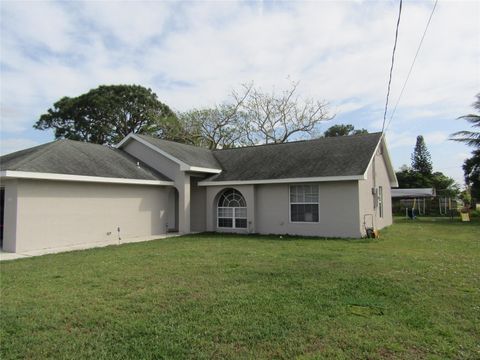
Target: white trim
(290,208)
(82,178)
(388,162)
(201,169)
(183,166)
(282,181)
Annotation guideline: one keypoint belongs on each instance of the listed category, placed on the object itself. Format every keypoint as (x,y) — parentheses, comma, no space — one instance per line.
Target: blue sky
(192,54)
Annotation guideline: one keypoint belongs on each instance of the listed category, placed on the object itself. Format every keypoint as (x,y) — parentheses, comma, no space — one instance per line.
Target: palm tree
(471,138)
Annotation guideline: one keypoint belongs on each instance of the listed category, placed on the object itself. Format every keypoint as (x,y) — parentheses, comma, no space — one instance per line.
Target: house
(67,193)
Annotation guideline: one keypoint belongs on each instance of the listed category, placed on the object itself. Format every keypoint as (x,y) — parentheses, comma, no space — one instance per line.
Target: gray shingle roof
(78,158)
(190,155)
(331,156)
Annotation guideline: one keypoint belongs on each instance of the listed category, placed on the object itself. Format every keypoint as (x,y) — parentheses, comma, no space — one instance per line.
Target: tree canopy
(471,138)
(253,116)
(107,114)
(421,159)
(343,130)
(471,166)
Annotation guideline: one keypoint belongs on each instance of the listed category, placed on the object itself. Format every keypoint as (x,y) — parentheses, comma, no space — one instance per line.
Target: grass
(414,293)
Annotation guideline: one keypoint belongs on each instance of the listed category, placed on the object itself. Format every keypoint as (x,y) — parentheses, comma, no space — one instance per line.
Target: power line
(411,66)
(391,66)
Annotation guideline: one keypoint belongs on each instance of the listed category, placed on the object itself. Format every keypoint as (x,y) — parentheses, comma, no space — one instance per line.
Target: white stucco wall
(60,214)
(377,175)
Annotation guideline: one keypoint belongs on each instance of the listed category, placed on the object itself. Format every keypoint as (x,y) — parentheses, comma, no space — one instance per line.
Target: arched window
(232,210)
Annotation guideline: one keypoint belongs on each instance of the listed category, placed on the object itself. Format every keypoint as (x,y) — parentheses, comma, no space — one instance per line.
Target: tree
(222,126)
(253,116)
(107,114)
(343,130)
(421,160)
(277,118)
(471,170)
(471,166)
(471,138)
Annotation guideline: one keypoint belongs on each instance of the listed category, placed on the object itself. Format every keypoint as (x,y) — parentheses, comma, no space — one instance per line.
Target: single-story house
(67,193)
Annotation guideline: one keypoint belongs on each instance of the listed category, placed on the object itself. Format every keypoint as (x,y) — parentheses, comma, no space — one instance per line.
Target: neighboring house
(67,193)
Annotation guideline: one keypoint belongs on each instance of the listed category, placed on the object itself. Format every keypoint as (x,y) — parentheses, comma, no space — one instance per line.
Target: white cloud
(192,54)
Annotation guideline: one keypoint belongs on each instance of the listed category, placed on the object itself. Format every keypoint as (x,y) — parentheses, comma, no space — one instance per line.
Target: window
(380,201)
(304,203)
(232,210)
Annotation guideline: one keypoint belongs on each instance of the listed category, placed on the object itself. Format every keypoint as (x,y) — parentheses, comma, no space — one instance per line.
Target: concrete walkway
(4,256)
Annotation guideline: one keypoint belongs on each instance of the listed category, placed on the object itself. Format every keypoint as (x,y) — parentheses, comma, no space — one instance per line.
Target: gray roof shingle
(331,156)
(190,155)
(79,158)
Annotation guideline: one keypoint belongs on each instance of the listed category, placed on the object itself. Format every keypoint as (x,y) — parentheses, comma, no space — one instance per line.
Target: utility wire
(411,66)
(391,66)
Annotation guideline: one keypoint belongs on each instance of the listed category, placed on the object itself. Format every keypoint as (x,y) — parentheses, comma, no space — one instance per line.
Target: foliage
(471,166)
(421,160)
(409,178)
(252,117)
(343,130)
(471,169)
(471,138)
(107,114)
(411,294)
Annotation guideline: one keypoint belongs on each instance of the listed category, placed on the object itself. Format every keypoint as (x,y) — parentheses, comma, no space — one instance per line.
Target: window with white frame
(380,201)
(232,210)
(304,203)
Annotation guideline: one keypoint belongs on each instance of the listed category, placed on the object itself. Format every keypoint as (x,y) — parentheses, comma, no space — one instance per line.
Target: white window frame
(380,201)
(233,217)
(234,211)
(290,203)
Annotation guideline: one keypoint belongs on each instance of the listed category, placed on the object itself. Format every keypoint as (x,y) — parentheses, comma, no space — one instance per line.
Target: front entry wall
(55,214)
(268,210)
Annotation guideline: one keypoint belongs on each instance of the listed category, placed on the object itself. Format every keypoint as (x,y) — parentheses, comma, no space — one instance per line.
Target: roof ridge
(325,138)
(44,148)
(176,142)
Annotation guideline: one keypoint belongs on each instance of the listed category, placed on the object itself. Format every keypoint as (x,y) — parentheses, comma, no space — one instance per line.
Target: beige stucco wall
(377,175)
(10,215)
(338,213)
(59,214)
(198,194)
(212,195)
(268,210)
(170,169)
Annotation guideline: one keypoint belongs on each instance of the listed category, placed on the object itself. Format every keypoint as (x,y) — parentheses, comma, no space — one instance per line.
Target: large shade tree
(107,114)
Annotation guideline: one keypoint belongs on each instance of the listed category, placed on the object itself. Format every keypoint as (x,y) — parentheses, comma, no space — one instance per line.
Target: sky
(193,54)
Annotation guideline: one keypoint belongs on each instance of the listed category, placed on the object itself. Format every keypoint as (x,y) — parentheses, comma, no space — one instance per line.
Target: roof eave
(281,181)
(388,161)
(13,174)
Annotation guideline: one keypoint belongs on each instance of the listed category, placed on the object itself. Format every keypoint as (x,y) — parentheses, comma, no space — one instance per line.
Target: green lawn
(414,293)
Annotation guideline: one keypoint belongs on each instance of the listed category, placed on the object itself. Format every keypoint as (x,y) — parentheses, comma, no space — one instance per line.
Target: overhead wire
(411,66)
(391,65)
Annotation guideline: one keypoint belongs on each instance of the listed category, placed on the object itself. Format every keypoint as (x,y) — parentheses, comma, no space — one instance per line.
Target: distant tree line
(420,174)
(252,116)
